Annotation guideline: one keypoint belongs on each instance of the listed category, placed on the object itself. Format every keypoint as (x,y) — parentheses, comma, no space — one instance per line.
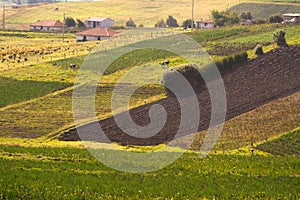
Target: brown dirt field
(248,86)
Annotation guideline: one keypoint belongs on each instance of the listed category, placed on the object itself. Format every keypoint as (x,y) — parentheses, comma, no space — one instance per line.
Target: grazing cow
(56,9)
(165,63)
(72,66)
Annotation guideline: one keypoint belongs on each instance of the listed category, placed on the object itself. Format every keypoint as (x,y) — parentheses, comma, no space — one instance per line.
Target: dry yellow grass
(268,121)
(141,11)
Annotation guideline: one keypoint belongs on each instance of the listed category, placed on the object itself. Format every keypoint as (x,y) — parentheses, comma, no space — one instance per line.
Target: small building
(98,22)
(15,6)
(204,24)
(95,34)
(293,18)
(47,25)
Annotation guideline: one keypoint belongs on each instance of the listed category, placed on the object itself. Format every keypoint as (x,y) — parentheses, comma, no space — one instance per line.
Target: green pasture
(66,173)
(287,144)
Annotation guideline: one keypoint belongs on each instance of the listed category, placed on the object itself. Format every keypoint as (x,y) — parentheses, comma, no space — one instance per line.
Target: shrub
(161,24)
(172,79)
(230,61)
(279,38)
(187,23)
(130,23)
(223,18)
(172,22)
(191,73)
(259,50)
(246,16)
(275,19)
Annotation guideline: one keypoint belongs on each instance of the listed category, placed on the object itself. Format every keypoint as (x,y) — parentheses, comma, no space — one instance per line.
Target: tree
(70,22)
(161,24)
(218,17)
(130,23)
(275,19)
(187,23)
(80,24)
(246,16)
(172,22)
(224,18)
(232,18)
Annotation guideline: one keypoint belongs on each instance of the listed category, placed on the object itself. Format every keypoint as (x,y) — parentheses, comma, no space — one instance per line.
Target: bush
(275,19)
(191,73)
(246,16)
(279,38)
(224,18)
(130,23)
(259,50)
(172,79)
(172,22)
(187,23)
(161,24)
(230,61)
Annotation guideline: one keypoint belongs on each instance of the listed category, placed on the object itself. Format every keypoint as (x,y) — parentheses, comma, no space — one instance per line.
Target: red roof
(48,23)
(99,32)
(206,21)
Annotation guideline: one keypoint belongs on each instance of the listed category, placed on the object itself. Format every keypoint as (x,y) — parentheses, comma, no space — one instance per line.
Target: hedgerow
(191,73)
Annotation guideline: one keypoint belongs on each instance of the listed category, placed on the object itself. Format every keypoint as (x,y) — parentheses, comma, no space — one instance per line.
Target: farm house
(95,34)
(97,22)
(47,25)
(206,24)
(294,18)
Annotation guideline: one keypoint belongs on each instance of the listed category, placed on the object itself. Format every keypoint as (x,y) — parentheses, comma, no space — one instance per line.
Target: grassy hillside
(141,11)
(264,10)
(287,144)
(69,173)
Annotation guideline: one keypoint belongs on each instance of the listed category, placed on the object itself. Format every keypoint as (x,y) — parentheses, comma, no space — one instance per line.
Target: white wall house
(205,24)
(291,17)
(95,34)
(47,25)
(98,22)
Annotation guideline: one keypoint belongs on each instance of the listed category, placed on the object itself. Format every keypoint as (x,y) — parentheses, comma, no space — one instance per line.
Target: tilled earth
(248,86)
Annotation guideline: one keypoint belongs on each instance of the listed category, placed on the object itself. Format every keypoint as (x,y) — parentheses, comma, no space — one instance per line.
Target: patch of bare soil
(248,86)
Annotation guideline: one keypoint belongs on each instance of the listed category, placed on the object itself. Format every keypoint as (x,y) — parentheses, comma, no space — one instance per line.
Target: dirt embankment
(248,86)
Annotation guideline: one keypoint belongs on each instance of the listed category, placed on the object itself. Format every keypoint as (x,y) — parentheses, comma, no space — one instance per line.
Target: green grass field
(66,173)
(15,91)
(287,144)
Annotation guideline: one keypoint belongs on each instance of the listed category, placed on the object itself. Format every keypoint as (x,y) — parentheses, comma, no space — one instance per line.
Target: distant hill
(264,10)
(146,12)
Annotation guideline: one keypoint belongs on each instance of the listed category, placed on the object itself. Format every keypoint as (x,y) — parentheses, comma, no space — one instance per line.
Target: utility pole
(3,18)
(193,2)
(63,36)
